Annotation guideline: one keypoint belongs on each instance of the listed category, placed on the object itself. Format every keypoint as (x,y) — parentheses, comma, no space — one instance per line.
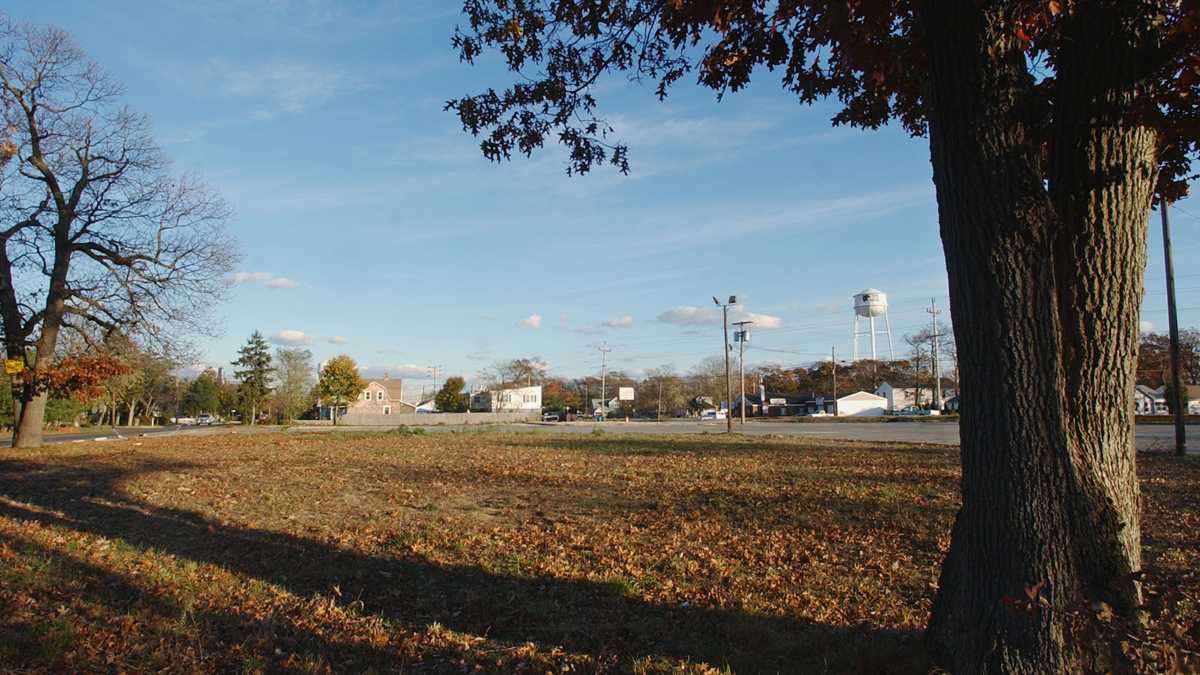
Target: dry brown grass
(498,551)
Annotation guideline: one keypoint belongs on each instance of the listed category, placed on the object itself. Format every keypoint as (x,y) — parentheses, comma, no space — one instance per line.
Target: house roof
(393,387)
(790,399)
(1149,391)
(862,396)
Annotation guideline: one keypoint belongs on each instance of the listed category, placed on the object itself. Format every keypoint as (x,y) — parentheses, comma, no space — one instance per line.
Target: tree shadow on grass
(580,616)
(170,635)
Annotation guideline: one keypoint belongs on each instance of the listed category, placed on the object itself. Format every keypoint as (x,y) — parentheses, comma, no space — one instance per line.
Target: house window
(379,396)
(387,410)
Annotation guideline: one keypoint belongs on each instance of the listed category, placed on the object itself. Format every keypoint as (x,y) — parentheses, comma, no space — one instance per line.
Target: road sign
(625,394)
(13,366)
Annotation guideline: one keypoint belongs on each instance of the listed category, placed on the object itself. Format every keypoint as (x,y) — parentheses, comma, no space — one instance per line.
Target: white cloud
(265,278)
(761,321)
(291,337)
(192,371)
(531,321)
(251,277)
(479,356)
(338,340)
(282,282)
(688,315)
(620,322)
(1146,326)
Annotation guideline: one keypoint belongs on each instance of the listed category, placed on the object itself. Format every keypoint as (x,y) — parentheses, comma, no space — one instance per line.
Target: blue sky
(371,225)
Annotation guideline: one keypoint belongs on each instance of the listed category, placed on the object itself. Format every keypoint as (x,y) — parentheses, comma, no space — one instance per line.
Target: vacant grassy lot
(496,551)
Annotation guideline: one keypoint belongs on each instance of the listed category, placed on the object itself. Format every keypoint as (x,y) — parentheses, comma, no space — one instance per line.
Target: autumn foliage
(79,376)
(869,55)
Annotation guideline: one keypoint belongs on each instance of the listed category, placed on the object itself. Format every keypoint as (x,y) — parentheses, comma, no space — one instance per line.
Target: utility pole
(604,350)
(740,337)
(937,375)
(660,379)
(1176,374)
(728,382)
(435,370)
(833,376)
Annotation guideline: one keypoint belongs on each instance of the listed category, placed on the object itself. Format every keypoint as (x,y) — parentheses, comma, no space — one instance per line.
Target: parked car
(713,415)
(819,413)
(205,419)
(913,411)
(550,416)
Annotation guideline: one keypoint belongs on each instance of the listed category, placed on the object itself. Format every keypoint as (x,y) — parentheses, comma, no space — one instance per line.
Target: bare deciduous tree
(95,235)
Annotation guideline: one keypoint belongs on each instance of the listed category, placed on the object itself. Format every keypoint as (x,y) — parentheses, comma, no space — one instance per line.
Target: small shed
(862,404)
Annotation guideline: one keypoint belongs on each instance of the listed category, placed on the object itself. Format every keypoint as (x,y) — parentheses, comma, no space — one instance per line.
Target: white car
(204,419)
(913,411)
(713,415)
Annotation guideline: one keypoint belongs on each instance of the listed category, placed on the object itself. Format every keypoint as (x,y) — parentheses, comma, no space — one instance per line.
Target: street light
(728,383)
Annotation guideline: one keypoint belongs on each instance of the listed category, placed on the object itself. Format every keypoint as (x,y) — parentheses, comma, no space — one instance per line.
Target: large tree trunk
(29,420)
(1044,297)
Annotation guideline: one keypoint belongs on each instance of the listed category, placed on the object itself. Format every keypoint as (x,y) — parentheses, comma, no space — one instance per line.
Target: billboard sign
(625,394)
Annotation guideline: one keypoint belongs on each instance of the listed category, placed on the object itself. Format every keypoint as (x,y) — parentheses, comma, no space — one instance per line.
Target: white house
(519,399)
(1149,401)
(862,404)
(898,398)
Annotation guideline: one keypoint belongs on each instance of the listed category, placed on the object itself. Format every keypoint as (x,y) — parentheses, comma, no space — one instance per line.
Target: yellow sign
(13,366)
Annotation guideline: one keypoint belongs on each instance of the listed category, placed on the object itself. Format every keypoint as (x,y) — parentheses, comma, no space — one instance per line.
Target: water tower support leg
(874,356)
(854,334)
(887,323)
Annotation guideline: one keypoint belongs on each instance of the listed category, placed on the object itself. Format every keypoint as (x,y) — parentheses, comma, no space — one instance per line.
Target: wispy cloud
(837,211)
(265,278)
(338,340)
(283,86)
(620,322)
(402,370)
(314,19)
(291,338)
(533,321)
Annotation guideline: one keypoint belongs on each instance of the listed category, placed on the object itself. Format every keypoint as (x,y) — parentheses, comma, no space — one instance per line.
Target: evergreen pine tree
(253,374)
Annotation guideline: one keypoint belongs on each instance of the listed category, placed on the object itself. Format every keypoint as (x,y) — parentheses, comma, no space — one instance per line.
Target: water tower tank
(871,302)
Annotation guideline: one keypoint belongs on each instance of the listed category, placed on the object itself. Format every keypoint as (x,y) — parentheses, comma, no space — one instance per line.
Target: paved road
(1148,436)
(127,432)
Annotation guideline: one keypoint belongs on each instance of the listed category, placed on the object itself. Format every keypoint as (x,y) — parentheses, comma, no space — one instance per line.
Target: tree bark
(31,415)
(1044,296)
(1101,181)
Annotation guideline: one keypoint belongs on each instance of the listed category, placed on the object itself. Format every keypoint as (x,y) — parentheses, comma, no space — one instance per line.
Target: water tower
(870,305)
